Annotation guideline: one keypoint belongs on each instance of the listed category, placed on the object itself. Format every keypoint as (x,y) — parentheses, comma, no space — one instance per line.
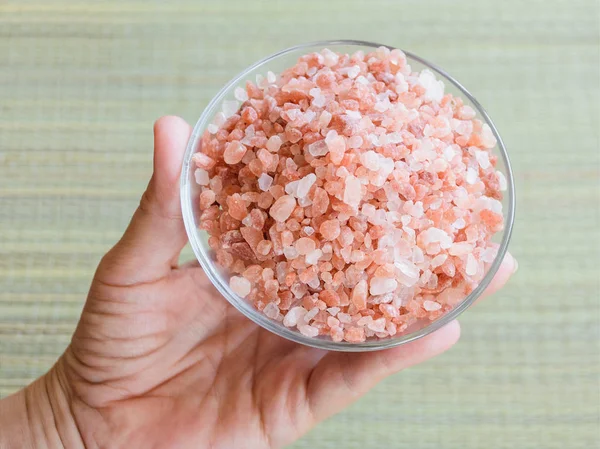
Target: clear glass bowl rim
(277,328)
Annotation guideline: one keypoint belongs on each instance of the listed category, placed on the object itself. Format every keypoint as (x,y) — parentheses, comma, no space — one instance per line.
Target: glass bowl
(199,238)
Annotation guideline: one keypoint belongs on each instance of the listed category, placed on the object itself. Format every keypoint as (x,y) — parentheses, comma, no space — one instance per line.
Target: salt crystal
(431,306)
(290,252)
(293,316)
(471,265)
(355,115)
(483,159)
(370,160)
(318,148)
(381,285)
(271,78)
(264,182)
(305,184)
(315,92)
(308,331)
(333,311)
(436,235)
(472,176)
(352,191)
(304,245)
(449,153)
(502,181)
(291,188)
(488,139)
(314,283)
(271,310)
(230,107)
(324,119)
(460,249)
(240,286)
(459,223)
(434,89)
(274,143)
(313,257)
(311,314)
(212,128)
(240,94)
(408,272)
(355,142)
(308,230)
(377,325)
(438,260)
(282,208)
(201,177)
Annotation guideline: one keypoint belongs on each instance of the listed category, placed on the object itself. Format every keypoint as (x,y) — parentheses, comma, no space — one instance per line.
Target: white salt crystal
(315,92)
(362,80)
(459,223)
(271,77)
(294,315)
(355,115)
(314,283)
(201,176)
(308,230)
(264,182)
(305,184)
(471,265)
(431,306)
(290,252)
(482,158)
(436,235)
(291,188)
(313,257)
(311,314)
(309,331)
(353,71)
(434,89)
(355,142)
(370,159)
(240,286)
(318,148)
(240,94)
(324,119)
(212,128)
(488,139)
(333,311)
(352,191)
(274,143)
(471,176)
(271,310)
(381,285)
(502,181)
(230,107)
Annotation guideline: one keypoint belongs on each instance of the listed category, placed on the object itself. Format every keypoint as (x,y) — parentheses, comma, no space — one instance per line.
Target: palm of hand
(160,359)
(172,364)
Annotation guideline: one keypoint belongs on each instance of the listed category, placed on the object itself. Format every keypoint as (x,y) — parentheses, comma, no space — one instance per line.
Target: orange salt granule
(350,197)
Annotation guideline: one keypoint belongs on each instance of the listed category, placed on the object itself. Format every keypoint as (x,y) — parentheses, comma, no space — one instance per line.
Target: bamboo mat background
(81,83)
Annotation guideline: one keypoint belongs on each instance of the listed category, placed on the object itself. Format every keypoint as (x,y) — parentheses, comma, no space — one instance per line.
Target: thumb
(153,240)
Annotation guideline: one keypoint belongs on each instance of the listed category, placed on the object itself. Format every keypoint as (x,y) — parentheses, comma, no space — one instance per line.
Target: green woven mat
(82,81)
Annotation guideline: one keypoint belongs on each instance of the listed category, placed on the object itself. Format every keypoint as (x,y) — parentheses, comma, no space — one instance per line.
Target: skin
(160,360)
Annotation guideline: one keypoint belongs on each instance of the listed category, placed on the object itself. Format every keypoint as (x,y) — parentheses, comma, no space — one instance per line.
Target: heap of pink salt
(349,197)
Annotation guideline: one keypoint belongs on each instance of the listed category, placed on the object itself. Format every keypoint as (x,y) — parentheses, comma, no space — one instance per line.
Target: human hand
(159,359)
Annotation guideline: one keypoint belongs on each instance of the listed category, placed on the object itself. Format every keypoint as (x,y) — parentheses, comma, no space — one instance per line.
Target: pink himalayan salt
(240,286)
(350,199)
(282,208)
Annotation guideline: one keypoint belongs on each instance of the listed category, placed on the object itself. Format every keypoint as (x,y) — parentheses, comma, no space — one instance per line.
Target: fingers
(154,238)
(508,267)
(340,378)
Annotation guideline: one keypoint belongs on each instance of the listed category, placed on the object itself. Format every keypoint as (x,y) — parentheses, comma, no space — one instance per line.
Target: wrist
(39,416)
